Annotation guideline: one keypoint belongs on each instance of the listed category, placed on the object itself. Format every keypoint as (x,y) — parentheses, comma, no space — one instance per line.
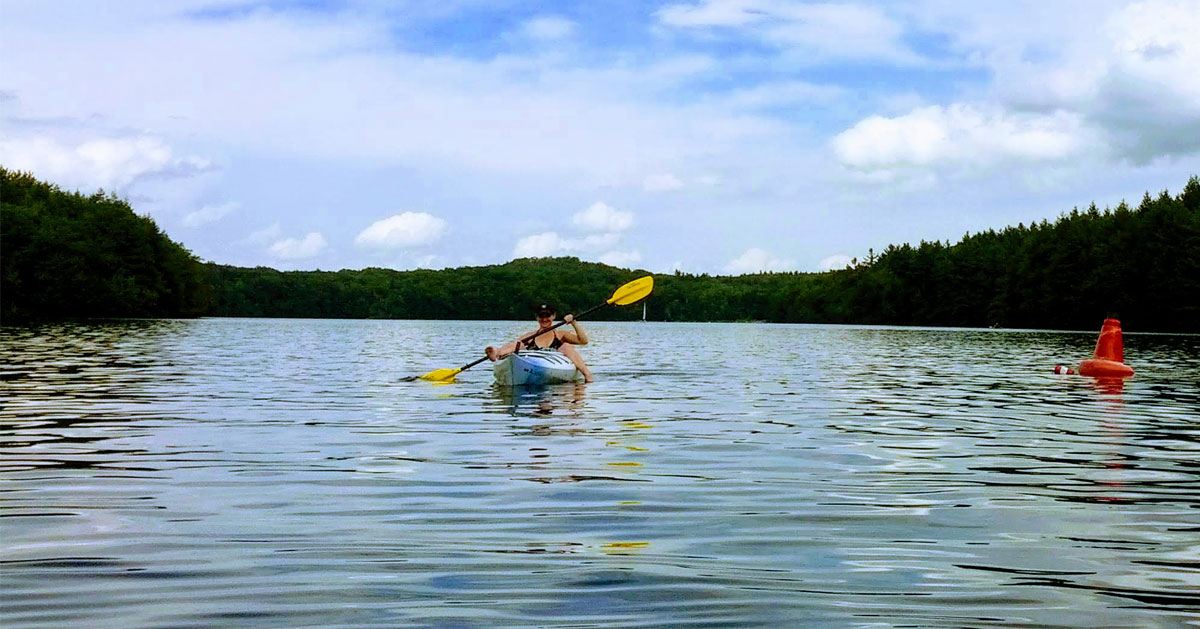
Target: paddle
(629,293)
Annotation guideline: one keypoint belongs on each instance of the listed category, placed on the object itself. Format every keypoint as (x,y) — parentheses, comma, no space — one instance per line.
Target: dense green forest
(506,291)
(69,255)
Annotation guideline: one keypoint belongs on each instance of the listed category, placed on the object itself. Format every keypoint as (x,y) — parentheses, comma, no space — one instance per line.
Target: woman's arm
(577,335)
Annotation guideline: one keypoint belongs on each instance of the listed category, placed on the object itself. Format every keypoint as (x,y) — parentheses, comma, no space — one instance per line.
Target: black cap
(544,308)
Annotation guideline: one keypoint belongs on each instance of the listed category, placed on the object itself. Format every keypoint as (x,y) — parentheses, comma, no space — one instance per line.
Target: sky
(704,136)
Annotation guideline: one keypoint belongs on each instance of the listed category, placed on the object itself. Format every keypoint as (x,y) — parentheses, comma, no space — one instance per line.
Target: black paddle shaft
(536,334)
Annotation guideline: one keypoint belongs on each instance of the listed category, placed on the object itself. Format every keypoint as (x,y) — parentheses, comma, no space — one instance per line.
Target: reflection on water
(541,401)
(277,473)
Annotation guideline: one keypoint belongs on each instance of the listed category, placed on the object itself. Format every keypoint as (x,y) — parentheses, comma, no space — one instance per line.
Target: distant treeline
(66,255)
(505,291)
(1141,263)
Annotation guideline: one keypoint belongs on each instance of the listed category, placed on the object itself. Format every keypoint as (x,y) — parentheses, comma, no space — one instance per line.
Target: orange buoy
(1108,361)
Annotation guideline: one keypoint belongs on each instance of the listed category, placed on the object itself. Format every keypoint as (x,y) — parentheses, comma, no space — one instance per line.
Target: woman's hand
(578,337)
(491,353)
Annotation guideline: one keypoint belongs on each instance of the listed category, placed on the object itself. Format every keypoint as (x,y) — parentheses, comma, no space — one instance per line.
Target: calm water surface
(276,473)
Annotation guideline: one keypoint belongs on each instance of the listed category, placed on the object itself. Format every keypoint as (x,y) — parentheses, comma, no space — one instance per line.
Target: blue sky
(710,136)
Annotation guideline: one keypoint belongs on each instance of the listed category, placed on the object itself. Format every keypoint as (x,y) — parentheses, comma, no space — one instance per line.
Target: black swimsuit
(532,343)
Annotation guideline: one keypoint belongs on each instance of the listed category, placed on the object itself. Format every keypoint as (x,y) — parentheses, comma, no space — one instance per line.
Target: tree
(67,255)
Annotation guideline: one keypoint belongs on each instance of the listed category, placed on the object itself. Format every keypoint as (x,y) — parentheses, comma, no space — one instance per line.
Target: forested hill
(1141,263)
(505,291)
(67,255)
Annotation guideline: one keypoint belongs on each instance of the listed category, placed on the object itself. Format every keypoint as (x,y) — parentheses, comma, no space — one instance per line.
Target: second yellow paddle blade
(633,291)
(438,375)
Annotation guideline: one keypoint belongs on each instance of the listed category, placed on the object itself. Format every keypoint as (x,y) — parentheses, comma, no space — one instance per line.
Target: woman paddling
(559,340)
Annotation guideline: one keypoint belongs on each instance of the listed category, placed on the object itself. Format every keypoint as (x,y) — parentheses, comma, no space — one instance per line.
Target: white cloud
(548,28)
(538,246)
(1157,43)
(622,259)
(299,248)
(834,262)
(1149,96)
(402,230)
(603,217)
(593,242)
(111,163)
(265,235)
(551,244)
(210,214)
(755,260)
(665,182)
(606,224)
(959,134)
(1126,75)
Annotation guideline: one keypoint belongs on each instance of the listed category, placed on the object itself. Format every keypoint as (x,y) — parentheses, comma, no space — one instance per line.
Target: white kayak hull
(534,367)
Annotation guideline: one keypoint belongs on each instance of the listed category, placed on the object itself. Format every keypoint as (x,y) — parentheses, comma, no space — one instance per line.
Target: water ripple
(277,473)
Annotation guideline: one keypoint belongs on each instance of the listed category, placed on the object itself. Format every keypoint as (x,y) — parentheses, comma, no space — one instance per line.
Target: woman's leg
(495,354)
(569,351)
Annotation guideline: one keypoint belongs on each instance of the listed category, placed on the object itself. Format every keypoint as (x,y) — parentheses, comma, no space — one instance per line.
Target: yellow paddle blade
(438,375)
(633,291)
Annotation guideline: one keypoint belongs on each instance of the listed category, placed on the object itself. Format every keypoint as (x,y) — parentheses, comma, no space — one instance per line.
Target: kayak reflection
(541,400)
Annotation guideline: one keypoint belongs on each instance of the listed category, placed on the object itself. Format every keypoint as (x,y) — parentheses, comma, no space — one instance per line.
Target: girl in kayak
(559,340)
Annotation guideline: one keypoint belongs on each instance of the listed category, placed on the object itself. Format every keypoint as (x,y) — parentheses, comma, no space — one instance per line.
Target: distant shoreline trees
(1141,263)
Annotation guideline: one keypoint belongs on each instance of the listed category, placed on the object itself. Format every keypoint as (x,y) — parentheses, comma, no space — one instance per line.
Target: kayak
(534,367)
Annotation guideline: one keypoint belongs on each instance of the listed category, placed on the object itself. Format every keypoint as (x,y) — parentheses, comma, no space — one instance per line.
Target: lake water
(276,473)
